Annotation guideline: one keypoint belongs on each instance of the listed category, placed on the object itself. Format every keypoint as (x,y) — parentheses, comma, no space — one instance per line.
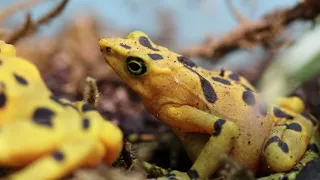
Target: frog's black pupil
(134,66)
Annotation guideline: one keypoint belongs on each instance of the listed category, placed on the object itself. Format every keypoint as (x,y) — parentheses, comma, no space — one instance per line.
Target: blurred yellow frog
(44,136)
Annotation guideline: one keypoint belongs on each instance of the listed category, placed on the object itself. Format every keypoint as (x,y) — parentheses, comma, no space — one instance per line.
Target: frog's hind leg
(287,143)
(24,140)
(311,154)
(73,153)
(32,142)
(293,103)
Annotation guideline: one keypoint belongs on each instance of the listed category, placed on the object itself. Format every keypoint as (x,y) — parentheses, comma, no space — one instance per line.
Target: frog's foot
(311,154)
(287,143)
(177,175)
(289,176)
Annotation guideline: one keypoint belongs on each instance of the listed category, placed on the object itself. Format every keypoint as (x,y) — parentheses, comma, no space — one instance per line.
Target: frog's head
(143,65)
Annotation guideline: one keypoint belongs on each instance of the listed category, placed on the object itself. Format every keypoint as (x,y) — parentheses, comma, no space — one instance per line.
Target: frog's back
(20,82)
(231,97)
(225,93)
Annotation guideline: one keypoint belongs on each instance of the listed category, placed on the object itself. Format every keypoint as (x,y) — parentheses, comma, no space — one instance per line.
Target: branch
(30,27)
(53,13)
(261,32)
(237,15)
(18,7)
(21,31)
(91,93)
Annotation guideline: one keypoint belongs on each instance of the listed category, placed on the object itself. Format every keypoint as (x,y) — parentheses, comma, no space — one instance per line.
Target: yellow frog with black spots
(212,113)
(44,136)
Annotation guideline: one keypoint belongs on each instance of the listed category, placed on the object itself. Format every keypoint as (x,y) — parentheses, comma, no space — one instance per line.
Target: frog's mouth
(115,65)
(108,57)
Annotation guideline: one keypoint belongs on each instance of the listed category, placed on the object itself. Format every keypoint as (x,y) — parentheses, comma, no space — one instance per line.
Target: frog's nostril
(108,49)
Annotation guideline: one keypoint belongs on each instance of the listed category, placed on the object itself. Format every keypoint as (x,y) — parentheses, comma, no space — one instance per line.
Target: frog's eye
(136,66)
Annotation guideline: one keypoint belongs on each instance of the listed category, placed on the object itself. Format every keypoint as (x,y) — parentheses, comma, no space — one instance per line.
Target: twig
(236,14)
(151,169)
(136,138)
(21,31)
(91,93)
(53,13)
(18,7)
(31,27)
(167,24)
(261,32)
(128,157)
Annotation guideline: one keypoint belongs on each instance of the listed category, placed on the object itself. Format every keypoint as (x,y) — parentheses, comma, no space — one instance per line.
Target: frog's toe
(175,175)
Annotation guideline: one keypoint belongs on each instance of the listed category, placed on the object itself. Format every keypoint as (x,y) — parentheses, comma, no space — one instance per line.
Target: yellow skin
(212,113)
(46,136)
(20,81)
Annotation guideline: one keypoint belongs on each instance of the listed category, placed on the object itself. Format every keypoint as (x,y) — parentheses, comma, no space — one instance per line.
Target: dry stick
(18,7)
(236,14)
(53,13)
(256,33)
(127,155)
(91,93)
(261,66)
(20,31)
(30,27)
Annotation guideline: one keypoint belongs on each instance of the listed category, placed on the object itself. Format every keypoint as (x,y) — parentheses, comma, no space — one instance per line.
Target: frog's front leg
(287,143)
(223,134)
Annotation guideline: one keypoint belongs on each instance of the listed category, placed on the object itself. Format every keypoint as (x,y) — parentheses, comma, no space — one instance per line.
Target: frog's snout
(104,46)
(102,42)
